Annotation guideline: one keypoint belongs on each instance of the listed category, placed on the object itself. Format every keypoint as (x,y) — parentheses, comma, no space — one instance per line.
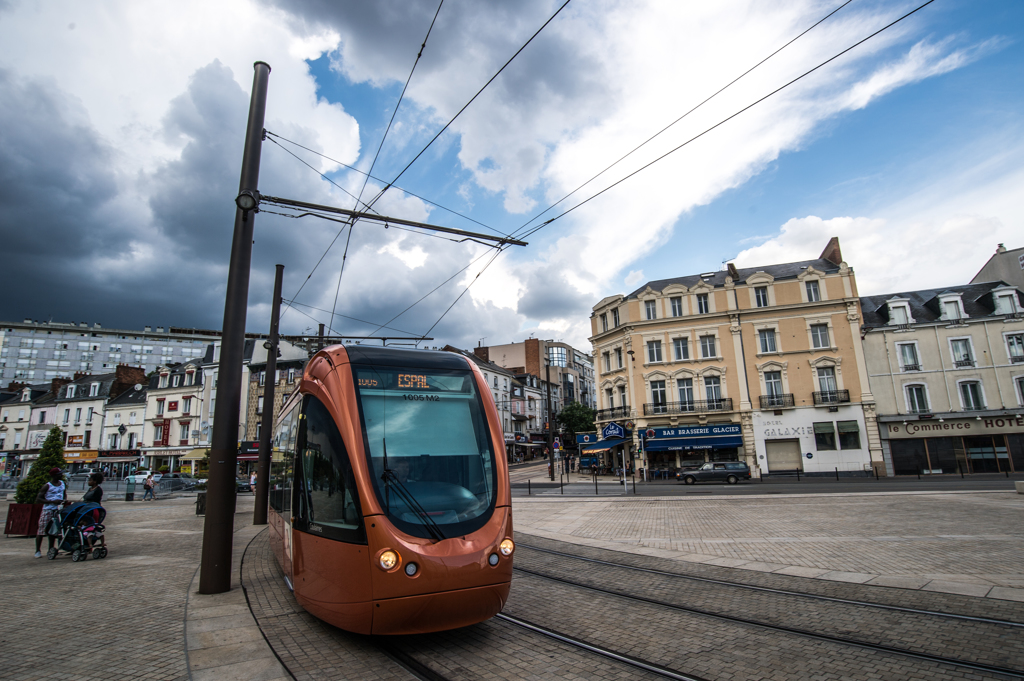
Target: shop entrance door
(987,454)
(783,455)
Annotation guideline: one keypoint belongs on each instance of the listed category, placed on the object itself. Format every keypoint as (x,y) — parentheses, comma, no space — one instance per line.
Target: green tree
(575,418)
(51,456)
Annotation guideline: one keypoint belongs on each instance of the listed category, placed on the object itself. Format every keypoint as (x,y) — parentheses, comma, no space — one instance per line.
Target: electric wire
(303,162)
(465,290)
(472,99)
(355,319)
(544,224)
(314,214)
(705,101)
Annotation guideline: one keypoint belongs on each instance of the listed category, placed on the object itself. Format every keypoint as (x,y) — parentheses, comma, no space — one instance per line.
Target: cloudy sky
(122,129)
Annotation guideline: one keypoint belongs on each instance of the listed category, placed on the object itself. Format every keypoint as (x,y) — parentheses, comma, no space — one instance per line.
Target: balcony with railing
(831,396)
(613,413)
(779,401)
(1016,359)
(965,362)
(911,367)
(694,407)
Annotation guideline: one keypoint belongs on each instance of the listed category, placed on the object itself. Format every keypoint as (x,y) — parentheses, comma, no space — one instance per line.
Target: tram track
(770,590)
(974,665)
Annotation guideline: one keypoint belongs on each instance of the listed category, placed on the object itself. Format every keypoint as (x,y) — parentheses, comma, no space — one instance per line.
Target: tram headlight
(507,547)
(388,560)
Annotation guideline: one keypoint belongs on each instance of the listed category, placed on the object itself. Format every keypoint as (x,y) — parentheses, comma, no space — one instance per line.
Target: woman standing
(95,492)
(52,495)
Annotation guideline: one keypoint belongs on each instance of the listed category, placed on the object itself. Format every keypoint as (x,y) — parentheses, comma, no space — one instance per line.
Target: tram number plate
(315,528)
(419,397)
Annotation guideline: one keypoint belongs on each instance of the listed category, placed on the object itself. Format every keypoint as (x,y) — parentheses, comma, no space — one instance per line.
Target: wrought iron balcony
(780,401)
(613,413)
(967,362)
(831,397)
(694,407)
(1016,359)
(911,367)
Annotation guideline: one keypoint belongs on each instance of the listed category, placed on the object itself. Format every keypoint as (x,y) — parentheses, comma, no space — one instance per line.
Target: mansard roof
(788,270)
(924,304)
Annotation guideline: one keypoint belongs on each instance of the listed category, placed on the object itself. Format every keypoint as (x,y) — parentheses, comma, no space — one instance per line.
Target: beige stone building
(762,365)
(947,369)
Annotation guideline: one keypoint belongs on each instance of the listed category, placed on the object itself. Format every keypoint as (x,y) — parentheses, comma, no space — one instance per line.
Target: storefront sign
(36,438)
(956,427)
(694,431)
(510,437)
(585,438)
(612,430)
(75,440)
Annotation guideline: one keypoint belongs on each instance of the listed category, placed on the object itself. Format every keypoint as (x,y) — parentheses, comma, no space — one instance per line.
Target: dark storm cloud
(547,294)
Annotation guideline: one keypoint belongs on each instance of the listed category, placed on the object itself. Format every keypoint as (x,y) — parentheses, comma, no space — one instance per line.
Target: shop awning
(195,454)
(682,444)
(602,445)
(275,455)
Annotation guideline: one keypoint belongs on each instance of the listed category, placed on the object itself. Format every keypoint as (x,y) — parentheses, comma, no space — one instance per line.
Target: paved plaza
(136,614)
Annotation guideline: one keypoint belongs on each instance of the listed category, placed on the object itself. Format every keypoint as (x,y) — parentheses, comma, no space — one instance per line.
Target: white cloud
(633,278)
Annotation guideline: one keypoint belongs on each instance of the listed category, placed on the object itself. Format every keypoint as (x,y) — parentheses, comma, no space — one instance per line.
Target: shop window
(849,434)
(825,436)
(813,294)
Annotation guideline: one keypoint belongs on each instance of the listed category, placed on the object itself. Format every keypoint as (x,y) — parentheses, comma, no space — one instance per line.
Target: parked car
(727,471)
(140,478)
(171,482)
(243,485)
(83,474)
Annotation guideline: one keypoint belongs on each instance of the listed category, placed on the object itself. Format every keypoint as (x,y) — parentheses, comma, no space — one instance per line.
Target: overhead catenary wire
(355,319)
(544,224)
(699,105)
(465,290)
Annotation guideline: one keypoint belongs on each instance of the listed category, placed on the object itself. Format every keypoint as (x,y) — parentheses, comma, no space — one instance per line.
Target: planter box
(23,519)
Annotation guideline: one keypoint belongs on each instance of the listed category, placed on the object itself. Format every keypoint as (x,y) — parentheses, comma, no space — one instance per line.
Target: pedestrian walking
(148,487)
(52,495)
(252,481)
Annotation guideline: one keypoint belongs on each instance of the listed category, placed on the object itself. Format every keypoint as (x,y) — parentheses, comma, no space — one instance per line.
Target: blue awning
(602,445)
(682,444)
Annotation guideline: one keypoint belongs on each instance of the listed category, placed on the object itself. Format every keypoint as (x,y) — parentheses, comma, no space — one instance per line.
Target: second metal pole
(259,514)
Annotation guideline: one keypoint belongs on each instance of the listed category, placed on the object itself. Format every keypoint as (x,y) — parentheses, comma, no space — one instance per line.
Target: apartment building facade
(570,369)
(762,365)
(174,408)
(946,367)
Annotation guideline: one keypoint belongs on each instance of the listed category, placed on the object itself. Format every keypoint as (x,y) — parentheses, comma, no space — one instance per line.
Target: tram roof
(395,357)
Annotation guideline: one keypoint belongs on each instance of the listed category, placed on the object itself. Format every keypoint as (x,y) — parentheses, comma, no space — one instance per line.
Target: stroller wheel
(52,553)
(77,555)
(98,553)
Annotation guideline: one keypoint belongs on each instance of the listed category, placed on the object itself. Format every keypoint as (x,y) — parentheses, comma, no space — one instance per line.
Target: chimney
(148,329)
(482,353)
(1001,249)
(80,374)
(57,383)
(832,252)
(126,377)
(732,272)
(159,329)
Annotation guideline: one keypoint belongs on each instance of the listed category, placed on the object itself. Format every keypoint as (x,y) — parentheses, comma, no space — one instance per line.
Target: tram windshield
(429,447)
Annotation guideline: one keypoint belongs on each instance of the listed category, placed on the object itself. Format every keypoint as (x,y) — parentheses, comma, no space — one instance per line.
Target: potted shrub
(23,514)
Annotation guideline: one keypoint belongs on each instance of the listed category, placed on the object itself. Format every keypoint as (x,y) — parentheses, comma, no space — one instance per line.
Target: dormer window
(94,389)
(163,380)
(1006,301)
(899,312)
(189,376)
(70,391)
(952,307)
(175,381)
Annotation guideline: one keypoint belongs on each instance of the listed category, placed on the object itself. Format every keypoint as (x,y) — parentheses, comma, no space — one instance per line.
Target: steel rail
(752,587)
(611,654)
(876,647)
(363,215)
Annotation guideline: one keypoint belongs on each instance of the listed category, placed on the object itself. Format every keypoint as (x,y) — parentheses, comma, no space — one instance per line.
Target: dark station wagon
(720,471)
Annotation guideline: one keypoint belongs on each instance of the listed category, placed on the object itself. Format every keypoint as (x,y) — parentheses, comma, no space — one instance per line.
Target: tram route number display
(420,397)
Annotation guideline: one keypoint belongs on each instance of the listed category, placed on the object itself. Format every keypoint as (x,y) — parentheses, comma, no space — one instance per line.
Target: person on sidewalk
(52,495)
(148,487)
(95,492)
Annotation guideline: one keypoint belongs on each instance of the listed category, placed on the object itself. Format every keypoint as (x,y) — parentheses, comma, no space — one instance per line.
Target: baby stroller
(73,527)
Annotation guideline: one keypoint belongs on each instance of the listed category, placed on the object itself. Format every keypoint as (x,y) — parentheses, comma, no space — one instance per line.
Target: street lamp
(247,200)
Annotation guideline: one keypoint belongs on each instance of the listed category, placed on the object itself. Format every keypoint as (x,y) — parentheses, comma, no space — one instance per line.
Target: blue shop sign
(612,430)
(694,431)
(694,437)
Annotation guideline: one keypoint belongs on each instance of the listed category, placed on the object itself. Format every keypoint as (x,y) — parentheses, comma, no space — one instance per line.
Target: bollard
(919,474)
(529,490)
(561,488)
(595,484)
(798,475)
(634,483)
(961,470)
(876,473)
(837,474)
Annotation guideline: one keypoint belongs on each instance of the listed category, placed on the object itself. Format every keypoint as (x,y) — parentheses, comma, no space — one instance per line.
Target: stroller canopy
(73,514)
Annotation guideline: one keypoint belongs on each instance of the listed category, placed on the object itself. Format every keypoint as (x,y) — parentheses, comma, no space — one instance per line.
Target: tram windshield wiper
(389,477)
(403,493)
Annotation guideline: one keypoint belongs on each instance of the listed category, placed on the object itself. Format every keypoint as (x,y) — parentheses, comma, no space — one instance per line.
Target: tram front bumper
(440,611)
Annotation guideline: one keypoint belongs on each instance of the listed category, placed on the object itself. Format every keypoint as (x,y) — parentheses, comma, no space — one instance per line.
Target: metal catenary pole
(551,426)
(259,514)
(215,568)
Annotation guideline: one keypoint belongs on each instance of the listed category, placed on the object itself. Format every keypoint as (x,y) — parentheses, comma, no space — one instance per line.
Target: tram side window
(327,502)
(282,462)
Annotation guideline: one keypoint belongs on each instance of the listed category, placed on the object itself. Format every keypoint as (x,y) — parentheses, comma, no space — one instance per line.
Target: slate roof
(924,305)
(787,270)
(82,384)
(129,397)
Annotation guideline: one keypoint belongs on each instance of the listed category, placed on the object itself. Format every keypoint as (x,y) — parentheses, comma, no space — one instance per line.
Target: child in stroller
(77,528)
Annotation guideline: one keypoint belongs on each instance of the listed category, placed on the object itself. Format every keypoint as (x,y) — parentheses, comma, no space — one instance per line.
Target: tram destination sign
(986,425)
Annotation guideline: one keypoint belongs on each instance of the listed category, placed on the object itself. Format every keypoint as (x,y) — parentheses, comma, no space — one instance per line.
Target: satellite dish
(138,386)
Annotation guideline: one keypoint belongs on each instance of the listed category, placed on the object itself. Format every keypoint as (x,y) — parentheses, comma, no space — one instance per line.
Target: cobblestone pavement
(121,617)
(966,543)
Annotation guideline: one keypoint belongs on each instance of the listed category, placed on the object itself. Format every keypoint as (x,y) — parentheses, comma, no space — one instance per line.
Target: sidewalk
(967,543)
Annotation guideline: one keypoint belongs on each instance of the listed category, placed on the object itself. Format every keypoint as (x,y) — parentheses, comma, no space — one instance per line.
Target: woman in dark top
(95,493)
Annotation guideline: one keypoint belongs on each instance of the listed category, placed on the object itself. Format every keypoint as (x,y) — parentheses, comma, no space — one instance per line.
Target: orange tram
(390,509)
